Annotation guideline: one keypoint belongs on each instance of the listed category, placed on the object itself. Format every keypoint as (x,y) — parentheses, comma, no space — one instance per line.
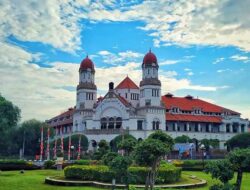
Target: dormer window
(197,111)
(175,109)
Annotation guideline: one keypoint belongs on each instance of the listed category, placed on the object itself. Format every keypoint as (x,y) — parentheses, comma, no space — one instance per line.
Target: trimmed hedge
(167,173)
(17,165)
(87,162)
(89,173)
(191,165)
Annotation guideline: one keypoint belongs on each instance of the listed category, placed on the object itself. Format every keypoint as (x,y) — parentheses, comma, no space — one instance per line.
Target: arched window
(118,122)
(111,123)
(103,123)
(156,125)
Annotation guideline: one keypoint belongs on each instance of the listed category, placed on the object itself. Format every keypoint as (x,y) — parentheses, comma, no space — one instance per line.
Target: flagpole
(41,144)
(48,153)
(69,143)
(55,146)
(79,148)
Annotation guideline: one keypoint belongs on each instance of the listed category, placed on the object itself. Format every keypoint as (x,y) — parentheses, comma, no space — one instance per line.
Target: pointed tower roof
(127,83)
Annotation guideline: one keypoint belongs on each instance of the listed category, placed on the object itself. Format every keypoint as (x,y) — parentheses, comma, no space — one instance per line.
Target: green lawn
(34,180)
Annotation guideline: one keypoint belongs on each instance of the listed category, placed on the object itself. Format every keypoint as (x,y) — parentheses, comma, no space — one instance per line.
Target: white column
(199,127)
(239,128)
(175,126)
(231,128)
(210,127)
(188,127)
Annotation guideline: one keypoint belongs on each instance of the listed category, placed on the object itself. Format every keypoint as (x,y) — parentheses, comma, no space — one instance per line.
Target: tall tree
(9,117)
(182,139)
(127,145)
(149,153)
(239,141)
(28,136)
(240,160)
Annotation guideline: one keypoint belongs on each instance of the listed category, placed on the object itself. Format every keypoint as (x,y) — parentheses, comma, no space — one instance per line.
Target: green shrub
(17,165)
(91,173)
(87,162)
(49,164)
(107,158)
(167,173)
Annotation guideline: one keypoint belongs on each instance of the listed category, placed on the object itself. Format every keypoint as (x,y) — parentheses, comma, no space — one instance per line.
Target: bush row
(17,165)
(167,173)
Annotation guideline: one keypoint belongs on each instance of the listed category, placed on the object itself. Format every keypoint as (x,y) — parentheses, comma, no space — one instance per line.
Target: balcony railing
(103,131)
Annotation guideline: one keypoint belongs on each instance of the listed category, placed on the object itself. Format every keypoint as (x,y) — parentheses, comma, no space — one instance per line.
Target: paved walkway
(53,181)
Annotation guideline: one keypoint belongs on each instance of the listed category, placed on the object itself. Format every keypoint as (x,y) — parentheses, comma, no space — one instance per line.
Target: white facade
(139,111)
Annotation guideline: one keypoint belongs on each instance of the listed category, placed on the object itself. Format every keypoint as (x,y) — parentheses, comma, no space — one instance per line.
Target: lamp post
(202,147)
(72,150)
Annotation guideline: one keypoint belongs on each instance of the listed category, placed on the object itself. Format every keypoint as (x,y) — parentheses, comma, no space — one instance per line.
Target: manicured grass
(210,181)
(30,180)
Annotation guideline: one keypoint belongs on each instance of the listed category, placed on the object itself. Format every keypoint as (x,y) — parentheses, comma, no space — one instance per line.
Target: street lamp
(202,147)
(72,150)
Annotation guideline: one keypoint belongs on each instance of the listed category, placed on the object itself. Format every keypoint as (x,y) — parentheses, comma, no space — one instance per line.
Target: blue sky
(203,49)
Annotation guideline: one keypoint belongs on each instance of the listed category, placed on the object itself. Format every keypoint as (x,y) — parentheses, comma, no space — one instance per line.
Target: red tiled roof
(193,118)
(123,100)
(62,119)
(188,104)
(127,83)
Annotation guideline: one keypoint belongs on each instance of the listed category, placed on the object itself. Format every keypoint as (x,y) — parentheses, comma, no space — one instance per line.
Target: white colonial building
(141,110)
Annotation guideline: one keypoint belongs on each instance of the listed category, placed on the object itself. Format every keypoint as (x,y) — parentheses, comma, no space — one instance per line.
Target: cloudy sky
(202,46)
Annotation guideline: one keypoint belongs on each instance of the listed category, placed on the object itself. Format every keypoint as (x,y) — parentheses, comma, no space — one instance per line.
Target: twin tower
(150,85)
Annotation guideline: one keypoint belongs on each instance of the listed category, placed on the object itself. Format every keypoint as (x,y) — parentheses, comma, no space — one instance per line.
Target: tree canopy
(182,139)
(239,141)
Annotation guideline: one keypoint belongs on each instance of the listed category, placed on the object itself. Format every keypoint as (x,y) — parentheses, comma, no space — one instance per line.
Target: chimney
(111,86)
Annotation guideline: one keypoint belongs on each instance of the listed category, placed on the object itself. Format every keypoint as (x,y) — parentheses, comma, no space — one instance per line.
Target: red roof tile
(193,118)
(188,104)
(127,83)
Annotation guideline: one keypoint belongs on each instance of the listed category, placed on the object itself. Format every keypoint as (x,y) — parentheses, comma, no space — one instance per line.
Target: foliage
(107,158)
(163,137)
(16,165)
(119,165)
(240,160)
(49,164)
(221,169)
(149,153)
(214,143)
(239,141)
(9,117)
(89,173)
(167,173)
(127,145)
(222,187)
(87,162)
(75,142)
(117,140)
(103,149)
(182,139)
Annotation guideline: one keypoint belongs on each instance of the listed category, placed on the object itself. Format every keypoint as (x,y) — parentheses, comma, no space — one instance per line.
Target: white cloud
(53,22)
(169,62)
(40,92)
(223,70)
(190,73)
(240,58)
(218,60)
(121,57)
(222,23)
